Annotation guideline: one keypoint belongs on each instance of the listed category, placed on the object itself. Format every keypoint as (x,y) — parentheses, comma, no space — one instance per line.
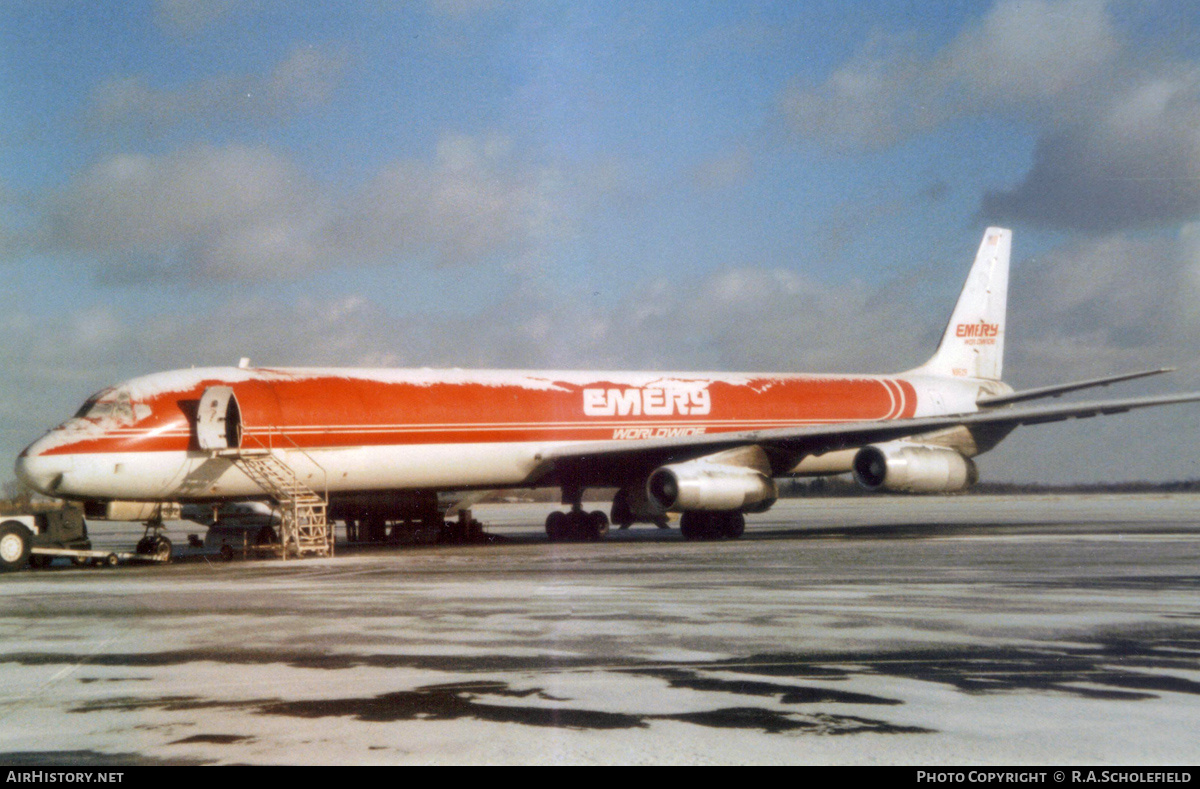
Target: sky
(724,186)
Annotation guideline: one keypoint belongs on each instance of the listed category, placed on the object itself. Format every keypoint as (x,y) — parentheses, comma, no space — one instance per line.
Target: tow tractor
(35,539)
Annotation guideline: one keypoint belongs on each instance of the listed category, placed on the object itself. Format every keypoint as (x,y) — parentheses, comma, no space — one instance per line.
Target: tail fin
(973,344)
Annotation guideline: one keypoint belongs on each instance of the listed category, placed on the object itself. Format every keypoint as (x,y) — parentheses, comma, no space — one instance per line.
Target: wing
(611,461)
(1060,389)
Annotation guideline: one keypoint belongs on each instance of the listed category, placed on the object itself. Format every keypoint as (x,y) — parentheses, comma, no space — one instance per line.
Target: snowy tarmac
(925,631)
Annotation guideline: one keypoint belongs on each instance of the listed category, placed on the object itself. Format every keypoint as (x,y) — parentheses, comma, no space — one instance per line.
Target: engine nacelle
(705,485)
(914,468)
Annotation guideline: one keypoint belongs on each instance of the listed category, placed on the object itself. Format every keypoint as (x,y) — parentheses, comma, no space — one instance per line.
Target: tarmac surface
(874,630)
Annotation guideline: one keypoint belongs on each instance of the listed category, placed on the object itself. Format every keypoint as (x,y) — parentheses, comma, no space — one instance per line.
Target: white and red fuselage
(357,430)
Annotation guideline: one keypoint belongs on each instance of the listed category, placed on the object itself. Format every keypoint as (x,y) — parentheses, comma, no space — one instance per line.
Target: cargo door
(219,420)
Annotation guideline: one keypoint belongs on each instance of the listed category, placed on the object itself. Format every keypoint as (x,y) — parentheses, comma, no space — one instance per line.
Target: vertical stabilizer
(973,344)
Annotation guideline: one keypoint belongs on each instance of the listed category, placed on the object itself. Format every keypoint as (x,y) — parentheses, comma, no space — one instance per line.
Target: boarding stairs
(305,529)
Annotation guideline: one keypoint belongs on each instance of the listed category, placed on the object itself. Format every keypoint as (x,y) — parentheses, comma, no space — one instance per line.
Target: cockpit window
(83,409)
(111,404)
(94,408)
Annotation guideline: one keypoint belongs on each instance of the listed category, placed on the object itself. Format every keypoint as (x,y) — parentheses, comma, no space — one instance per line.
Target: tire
(227,552)
(733,525)
(15,542)
(710,526)
(162,549)
(597,526)
(112,560)
(692,525)
(556,526)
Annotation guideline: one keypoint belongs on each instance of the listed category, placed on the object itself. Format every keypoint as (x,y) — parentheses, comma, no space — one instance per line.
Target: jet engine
(913,468)
(705,485)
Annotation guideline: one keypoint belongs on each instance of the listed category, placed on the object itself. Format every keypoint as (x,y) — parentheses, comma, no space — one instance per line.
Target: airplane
(384,444)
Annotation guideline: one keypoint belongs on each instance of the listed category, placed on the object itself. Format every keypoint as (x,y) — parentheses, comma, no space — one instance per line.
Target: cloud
(305,79)
(239,212)
(871,102)
(1117,146)
(1106,304)
(1029,53)
(187,17)
(1135,164)
(475,199)
(201,212)
(1023,57)
(746,318)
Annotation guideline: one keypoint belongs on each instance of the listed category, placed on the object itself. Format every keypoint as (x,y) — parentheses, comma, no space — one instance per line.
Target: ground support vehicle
(35,539)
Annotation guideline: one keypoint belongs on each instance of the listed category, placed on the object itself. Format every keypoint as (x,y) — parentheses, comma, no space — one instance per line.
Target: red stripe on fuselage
(314,412)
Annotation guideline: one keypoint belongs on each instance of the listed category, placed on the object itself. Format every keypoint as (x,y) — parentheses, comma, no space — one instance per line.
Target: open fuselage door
(219,420)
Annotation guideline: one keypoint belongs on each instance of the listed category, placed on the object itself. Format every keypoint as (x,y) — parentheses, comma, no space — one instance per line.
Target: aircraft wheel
(733,525)
(162,549)
(226,552)
(556,526)
(693,525)
(712,525)
(578,525)
(112,560)
(597,526)
(15,542)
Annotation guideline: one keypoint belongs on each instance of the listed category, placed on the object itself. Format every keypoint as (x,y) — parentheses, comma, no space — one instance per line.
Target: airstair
(305,530)
(219,431)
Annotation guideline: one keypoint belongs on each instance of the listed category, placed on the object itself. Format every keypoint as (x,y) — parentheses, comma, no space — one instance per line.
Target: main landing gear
(154,543)
(700,525)
(576,524)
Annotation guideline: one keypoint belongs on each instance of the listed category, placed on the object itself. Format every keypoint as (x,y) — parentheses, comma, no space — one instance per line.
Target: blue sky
(702,185)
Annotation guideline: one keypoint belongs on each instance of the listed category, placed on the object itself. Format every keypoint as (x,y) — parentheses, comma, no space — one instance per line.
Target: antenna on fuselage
(244,363)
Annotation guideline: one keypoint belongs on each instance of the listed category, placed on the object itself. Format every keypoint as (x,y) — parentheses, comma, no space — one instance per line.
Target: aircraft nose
(44,473)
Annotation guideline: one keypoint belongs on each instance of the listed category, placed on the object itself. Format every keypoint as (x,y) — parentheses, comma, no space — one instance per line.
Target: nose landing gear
(154,544)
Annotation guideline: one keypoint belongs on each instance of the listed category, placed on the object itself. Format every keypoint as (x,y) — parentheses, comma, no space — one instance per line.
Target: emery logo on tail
(978,333)
(980,329)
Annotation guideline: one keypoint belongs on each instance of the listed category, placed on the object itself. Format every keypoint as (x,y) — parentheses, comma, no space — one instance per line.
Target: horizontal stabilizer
(1060,389)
